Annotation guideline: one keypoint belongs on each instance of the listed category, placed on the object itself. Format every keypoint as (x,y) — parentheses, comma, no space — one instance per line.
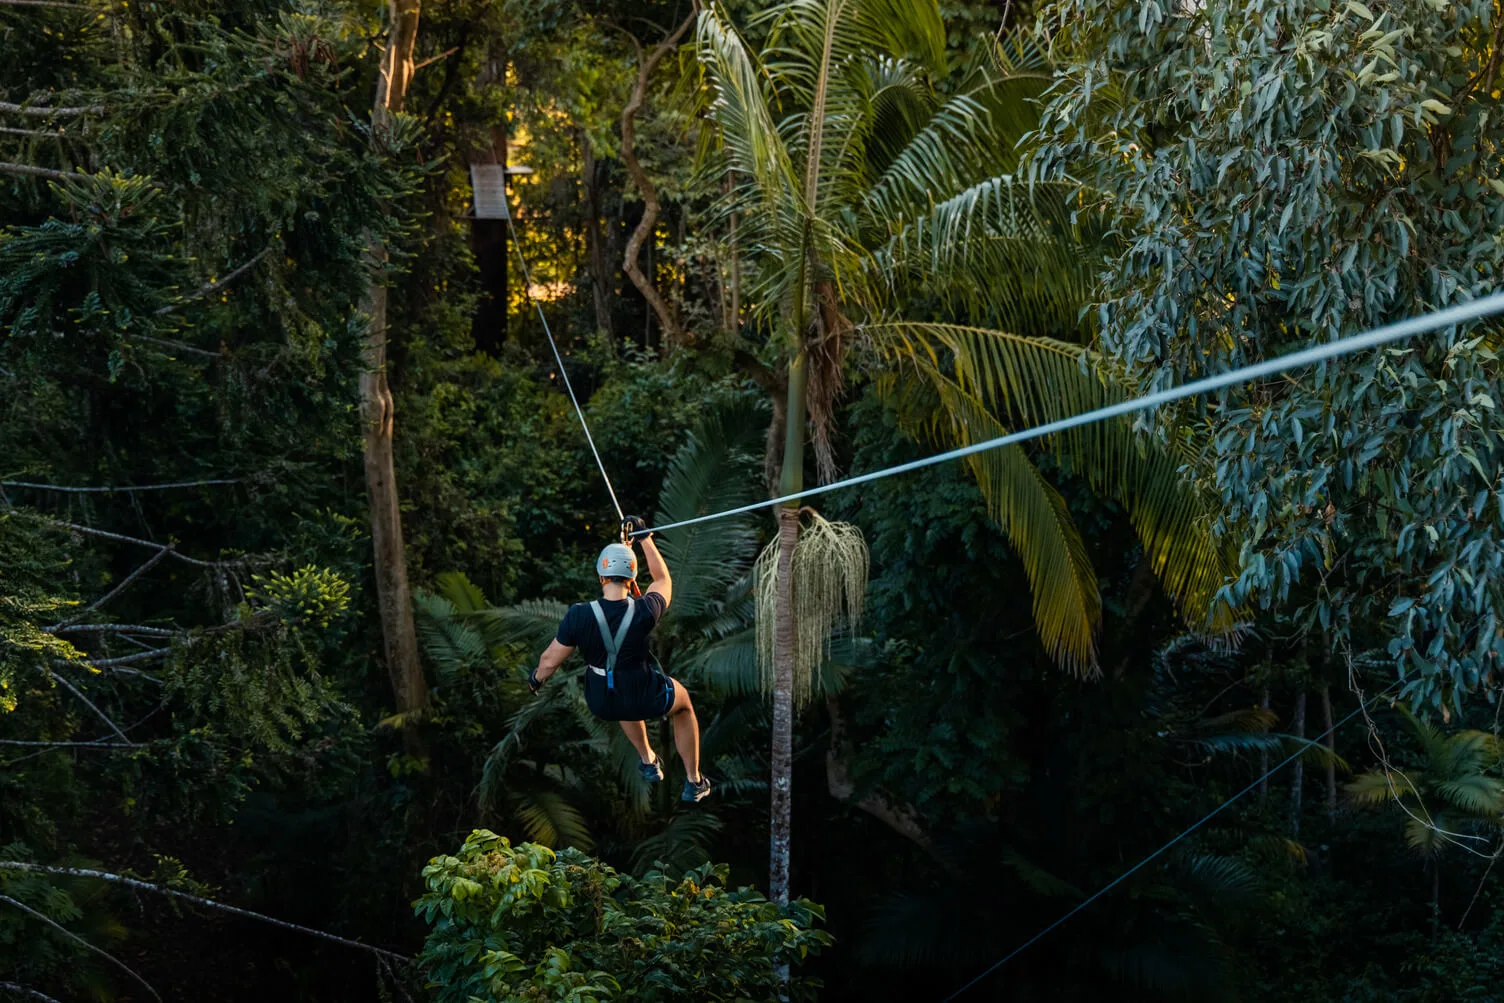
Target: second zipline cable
(527,282)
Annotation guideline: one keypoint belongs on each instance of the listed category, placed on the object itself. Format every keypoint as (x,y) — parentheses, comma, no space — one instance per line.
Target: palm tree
(1449,795)
(868,174)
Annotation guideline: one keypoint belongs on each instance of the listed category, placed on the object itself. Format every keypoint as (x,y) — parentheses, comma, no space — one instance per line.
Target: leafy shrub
(524,923)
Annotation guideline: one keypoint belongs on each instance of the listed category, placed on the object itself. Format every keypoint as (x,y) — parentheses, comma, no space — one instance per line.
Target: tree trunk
(667,319)
(735,325)
(1331,745)
(1264,762)
(900,817)
(595,249)
(392,592)
(783,643)
(1299,727)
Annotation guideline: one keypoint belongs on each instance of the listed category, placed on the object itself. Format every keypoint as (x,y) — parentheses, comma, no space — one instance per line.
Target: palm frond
(680,846)
(548,819)
(1214,877)
(532,622)
(449,643)
(1012,251)
(1474,794)
(1032,381)
(711,472)
(461,591)
(1378,788)
(1426,839)
(1067,605)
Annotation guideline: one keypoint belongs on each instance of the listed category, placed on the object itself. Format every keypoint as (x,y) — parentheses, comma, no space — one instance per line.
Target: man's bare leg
(637,734)
(686,731)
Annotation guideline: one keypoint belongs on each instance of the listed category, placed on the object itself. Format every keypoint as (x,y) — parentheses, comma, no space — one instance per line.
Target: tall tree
(393,593)
(1322,169)
(864,168)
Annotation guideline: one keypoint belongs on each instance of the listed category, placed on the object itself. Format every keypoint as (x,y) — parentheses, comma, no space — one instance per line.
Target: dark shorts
(640,695)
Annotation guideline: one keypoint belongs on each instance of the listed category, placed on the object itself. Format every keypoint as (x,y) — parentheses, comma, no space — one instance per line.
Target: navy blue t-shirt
(579,630)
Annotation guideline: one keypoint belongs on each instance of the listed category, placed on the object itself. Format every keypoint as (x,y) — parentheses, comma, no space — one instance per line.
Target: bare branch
(672,329)
(218,284)
(901,818)
(119,628)
(179,346)
(89,704)
(52,3)
(28,171)
(44,133)
(108,663)
(120,489)
(81,941)
(147,886)
(168,550)
(70,745)
(45,110)
(13,987)
(151,562)
(434,59)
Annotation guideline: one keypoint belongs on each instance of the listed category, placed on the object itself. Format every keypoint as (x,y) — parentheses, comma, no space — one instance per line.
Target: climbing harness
(1472,310)
(613,644)
(527,283)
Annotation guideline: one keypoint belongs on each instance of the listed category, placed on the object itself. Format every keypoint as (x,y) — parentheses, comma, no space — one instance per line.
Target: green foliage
(1450,796)
(521,923)
(1286,172)
(311,595)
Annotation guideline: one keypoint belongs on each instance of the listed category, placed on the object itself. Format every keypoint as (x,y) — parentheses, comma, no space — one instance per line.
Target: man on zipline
(621,683)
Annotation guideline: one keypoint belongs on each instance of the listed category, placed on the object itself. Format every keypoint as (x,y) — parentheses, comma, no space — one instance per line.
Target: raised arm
(663,582)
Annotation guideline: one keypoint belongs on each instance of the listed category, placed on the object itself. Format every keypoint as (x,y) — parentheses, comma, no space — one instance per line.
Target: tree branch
(121,489)
(28,171)
(671,328)
(106,663)
(901,818)
(32,109)
(79,940)
(151,562)
(12,986)
(216,285)
(52,3)
(71,745)
(104,628)
(89,704)
(169,551)
(179,346)
(44,133)
(147,886)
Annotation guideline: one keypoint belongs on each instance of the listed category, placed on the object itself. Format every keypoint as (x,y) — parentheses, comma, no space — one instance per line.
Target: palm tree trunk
(784,632)
(1331,745)
(1296,782)
(1264,762)
(735,325)
(393,595)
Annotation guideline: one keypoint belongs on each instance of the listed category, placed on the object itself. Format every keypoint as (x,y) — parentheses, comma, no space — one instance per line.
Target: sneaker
(651,772)
(696,791)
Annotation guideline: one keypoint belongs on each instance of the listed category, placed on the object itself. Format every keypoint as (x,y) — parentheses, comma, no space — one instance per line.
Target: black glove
(533,682)
(633,524)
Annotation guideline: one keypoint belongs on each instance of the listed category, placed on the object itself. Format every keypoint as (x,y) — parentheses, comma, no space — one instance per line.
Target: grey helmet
(616,561)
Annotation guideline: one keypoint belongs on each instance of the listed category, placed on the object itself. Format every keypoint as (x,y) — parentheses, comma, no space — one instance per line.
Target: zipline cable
(527,282)
(1473,310)
(1151,857)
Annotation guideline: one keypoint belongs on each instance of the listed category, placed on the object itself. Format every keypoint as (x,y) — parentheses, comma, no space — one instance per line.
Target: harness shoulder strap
(613,644)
